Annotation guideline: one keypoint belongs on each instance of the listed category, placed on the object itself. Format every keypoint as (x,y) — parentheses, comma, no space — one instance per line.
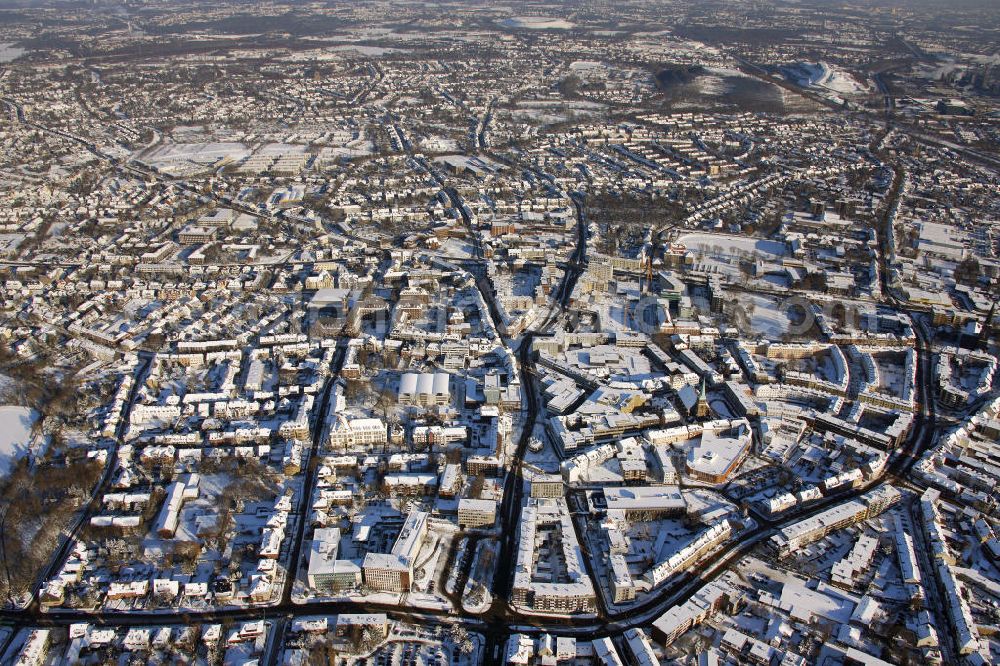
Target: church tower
(702,409)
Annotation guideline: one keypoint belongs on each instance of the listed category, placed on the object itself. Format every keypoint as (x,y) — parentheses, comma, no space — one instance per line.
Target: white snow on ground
(176,158)
(536,23)
(9,52)
(366,50)
(768,319)
(457,248)
(843,83)
(347,151)
(668,46)
(732,245)
(725,71)
(823,75)
(717,81)
(6,387)
(15,433)
(712,85)
(721,253)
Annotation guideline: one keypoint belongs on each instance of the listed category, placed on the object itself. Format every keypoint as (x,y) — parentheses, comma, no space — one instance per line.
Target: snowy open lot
(722,245)
(536,23)
(824,76)
(15,433)
(722,253)
(768,318)
(9,52)
(180,158)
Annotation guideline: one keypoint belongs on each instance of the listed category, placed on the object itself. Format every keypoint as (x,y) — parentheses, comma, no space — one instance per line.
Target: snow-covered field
(543,112)
(718,81)
(347,151)
(670,48)
(9,52)
(536,23)
(15,434)
(768,319)
(439,144)
(722,253)
(823,75)
(724,245)
(6,387)
(187,157)
(366,50)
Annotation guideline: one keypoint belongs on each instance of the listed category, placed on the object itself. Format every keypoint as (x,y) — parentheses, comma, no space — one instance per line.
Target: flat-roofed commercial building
(547,485)
(476,513)
(546,525)
(645,502)
(393,571)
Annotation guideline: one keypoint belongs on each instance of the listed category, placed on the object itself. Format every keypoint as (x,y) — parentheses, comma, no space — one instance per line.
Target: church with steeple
(701,409)
(695,401)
